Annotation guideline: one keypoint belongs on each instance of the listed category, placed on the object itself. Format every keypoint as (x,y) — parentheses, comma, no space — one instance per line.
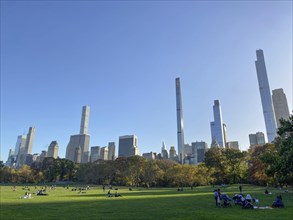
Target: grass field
(163,203)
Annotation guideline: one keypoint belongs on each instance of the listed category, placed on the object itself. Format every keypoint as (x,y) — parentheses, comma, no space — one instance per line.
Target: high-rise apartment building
(27,149)
(128,146)
(111,150)
(257,139)
(29,140)
(20,144)
(53,150)
(280,106)
(201,148)
(265,95)
(180,127)
(217,126)
(104,153)
(78,147)
(84,124)
(95,153)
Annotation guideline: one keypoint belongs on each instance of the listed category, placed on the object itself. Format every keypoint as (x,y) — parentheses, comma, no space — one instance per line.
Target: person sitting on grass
(109,194)
(117,194)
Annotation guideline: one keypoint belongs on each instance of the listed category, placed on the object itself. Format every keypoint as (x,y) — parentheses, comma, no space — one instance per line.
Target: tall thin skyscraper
(280,106)
(29,140)
(217,126)
(180,129)
(78,147)
(265,95)
(84,120)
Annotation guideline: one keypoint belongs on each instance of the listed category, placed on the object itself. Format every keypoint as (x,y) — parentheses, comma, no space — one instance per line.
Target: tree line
(267,164)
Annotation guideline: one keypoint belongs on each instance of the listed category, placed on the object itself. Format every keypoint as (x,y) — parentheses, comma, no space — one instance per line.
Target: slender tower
(180,130)
(265,95)
(84,120)
(217,126)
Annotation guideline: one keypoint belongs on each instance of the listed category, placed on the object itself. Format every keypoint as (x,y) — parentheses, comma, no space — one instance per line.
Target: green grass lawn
(163,203)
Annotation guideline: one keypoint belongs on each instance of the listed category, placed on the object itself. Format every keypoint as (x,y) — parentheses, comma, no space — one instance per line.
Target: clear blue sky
(122,57)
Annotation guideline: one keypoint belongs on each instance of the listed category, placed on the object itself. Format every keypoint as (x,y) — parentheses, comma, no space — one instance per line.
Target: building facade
(78,147)
(265,95)
(53,149)
(111,150)
(95,153)
(128,146)
(256,139)
(217,131)
(180,126)
(280,104)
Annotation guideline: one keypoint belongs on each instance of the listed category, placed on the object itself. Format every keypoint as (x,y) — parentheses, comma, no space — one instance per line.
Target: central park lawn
(161,203)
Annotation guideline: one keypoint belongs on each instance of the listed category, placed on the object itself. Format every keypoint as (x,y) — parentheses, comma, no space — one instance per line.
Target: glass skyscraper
(217,130)
(265,95)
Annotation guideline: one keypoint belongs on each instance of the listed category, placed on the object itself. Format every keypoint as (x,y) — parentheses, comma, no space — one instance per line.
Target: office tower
(201,148)
(29,140)
(180,129)
(111,150)
(164,152)
(53,149)
(217,130)
(128,146)
(84,120)
(104,153)
(95,153)
(280,106)
(20,144)
(257,139)
(232,145)
(27,149)
(265,95)
(78,147)
(172,153)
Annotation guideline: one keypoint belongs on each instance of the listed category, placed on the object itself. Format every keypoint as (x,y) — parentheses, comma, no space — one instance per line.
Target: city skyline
(121,59)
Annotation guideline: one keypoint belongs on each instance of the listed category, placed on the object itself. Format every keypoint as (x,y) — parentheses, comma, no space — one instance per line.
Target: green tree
(256,167)
(279,161)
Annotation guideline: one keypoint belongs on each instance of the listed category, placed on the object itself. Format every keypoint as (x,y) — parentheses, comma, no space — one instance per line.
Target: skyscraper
(104,153)
(128,146)
(280,105)
(257,139)
(53,150)
(95,153)
(20,143)
(27,149)
(265,95)
(164,152)
(217,126)
(84,124)
(78,147)
(111,150)
(180,129)
(29,140)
